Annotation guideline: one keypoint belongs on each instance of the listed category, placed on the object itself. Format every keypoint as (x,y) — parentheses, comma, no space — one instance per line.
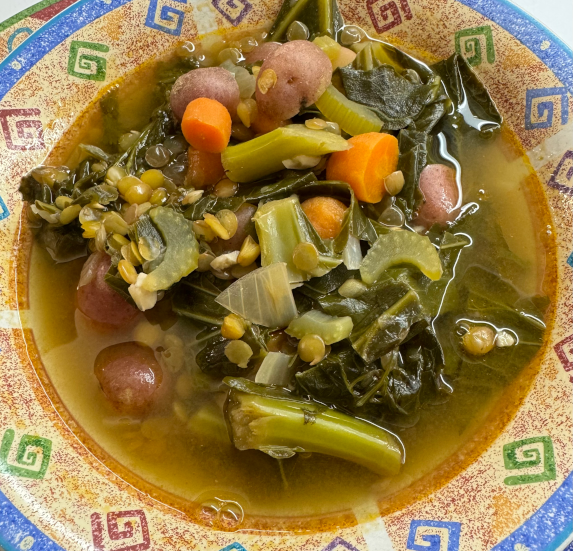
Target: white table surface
(557,15)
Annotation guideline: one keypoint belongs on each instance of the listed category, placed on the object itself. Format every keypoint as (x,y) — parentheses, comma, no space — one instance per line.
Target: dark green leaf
(322,17)
(195,298)
(64,243)
(471,99)
(394,98)
(103,194)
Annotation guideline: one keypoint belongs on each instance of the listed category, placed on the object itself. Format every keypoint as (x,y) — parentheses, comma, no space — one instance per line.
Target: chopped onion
(263,297)
(144,300)
(274,370)
(352,253)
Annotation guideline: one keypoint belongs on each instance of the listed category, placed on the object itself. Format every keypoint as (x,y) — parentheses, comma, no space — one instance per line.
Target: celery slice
(401,247)
(281,225)
(330,329)
(264,155)
(274,422)
(263,297)
(330,47)
(351,116)
(181,249)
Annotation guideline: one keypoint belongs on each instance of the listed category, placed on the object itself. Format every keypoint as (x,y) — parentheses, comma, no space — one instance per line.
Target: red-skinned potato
(130,377)
(210,82)
(440,190)
(260,53)
(303,72)
(97,300)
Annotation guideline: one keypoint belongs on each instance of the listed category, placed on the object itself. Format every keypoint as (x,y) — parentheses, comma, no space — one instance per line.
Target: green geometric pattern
(530,458)
(472,45)
(87,66)
(26,455)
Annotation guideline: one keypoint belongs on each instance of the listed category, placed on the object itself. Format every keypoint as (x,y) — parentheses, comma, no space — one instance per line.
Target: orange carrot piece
(372,157)
(325,214)
(205,169)
(206,125)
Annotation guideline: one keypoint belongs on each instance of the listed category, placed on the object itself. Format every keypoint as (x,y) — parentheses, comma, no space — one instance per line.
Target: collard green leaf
(195,298)
(103,194)
(413,158)
(118,284)
(471,98)
(394,98)
(64,243)
(322,17)
(211,358)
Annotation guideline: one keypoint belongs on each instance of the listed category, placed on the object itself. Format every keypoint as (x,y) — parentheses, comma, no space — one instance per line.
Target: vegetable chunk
(275,423)
(373,156)
(182,250)
(401,247)
(326,214)
(206,125)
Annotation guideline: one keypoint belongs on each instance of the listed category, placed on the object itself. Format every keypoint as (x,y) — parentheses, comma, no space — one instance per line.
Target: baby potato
(303,72)
(211,82)
(260,53)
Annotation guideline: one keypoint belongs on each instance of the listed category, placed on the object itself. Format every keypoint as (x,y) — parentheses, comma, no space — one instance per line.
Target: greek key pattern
(338,544)
(434,535)
(4,212)
(562,174)
(540,106)
(570,262)
(21,132)
(526,454)
(89,66)
(564,348)
(234,547)
(124,531)
(165,18)
(234,11)
(386,15)
(468,43)
(32,456)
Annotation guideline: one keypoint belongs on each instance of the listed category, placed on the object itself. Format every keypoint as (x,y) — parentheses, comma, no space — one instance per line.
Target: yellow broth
(192,457)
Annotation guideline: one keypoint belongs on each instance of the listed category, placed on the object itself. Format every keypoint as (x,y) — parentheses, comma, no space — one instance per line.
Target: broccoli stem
(272,421)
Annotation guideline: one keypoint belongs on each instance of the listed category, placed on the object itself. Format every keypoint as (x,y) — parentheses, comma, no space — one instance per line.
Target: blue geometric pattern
(167,15)
(545,108)
(4,212)
(549,527)
(15,528)
(570,260)
(234,547)
(429,535)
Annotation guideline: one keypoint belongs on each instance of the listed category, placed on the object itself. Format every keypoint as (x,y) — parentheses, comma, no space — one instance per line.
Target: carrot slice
(372,157)
(206,125)
(325,214)
(205,169)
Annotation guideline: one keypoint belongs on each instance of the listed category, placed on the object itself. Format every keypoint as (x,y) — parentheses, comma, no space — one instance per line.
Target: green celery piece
(264,155)
(263,297)
(351,116)
(281,225)
(273,422)
(330,328)
(401,247)
(181,249)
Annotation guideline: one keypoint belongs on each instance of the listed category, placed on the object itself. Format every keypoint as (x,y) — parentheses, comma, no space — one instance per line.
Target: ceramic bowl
(507,490)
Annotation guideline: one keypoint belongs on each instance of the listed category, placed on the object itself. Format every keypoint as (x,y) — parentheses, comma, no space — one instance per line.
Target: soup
(255,280)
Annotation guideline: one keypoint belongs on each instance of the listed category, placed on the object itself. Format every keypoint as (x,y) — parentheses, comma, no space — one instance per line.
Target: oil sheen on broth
(185,450)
